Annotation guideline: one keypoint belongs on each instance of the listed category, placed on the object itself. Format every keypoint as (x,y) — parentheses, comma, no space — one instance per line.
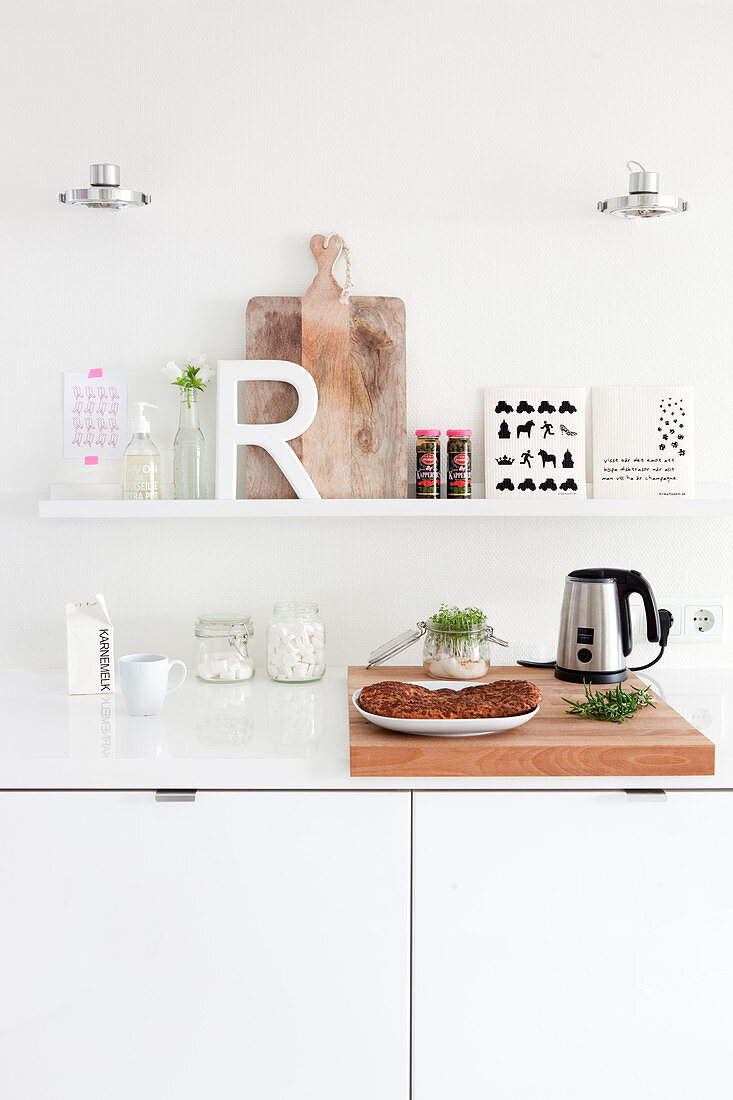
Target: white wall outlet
(703,621)
(638,618)
(694,620)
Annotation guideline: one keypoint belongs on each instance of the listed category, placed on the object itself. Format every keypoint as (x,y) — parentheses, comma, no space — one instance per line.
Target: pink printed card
(95,414)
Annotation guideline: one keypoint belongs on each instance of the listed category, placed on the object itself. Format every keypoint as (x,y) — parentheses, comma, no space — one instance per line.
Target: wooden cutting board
(653,742)
(357,445)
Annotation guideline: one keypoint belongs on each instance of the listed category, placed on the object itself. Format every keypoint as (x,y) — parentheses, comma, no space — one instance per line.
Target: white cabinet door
(573,946)
(243,945)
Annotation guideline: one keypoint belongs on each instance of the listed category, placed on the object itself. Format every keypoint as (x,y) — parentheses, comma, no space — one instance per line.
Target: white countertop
(262,735)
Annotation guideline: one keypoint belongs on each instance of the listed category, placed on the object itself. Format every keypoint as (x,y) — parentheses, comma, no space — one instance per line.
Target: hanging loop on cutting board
(327,251)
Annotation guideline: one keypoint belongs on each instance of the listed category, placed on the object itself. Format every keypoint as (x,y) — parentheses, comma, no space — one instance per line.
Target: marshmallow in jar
(221,654)
(296,649)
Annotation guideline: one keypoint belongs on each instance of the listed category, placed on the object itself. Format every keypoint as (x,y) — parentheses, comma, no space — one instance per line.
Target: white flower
(206,374)
(171,371)
(197,361)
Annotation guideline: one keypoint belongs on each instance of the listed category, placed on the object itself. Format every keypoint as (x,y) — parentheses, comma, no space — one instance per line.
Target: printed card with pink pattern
(95,415)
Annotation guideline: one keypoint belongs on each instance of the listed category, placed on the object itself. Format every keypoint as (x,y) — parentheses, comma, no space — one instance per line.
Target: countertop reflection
(259,735)
(256,720)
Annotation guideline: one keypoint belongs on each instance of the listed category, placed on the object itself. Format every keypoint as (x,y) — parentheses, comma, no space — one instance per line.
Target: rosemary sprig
(610,706)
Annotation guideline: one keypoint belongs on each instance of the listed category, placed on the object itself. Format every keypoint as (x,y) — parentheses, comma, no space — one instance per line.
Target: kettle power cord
(666,618)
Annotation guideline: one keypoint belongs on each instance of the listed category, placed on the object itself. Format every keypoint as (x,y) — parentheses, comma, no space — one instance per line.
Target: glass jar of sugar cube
(296,644)
(221,654)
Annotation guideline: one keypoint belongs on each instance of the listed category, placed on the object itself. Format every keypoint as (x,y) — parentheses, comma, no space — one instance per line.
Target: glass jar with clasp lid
(221,654)
(448,654)
(296,643)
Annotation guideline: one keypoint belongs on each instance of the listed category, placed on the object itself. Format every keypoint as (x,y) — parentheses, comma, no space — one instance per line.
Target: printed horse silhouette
(547,460)
(526,428)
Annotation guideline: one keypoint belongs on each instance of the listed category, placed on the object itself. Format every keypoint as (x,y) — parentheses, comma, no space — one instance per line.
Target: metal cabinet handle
(649,795)
(175,796)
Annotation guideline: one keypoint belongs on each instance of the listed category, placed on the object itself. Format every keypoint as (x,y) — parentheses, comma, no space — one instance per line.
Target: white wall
(460,149)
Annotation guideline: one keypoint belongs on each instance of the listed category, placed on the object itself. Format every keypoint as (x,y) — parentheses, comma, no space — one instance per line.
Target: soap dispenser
(141,460)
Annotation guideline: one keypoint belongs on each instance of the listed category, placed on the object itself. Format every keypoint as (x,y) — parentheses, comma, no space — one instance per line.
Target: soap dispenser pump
(141,459)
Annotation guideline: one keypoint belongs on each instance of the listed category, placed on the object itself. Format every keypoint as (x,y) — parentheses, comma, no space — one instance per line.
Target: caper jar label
(427,463)
(459,463)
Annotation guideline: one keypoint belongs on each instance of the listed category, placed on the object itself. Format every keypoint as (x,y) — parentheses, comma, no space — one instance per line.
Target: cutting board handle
(324,287)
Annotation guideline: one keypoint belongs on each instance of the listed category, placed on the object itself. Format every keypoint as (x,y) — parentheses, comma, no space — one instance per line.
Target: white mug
(144,682)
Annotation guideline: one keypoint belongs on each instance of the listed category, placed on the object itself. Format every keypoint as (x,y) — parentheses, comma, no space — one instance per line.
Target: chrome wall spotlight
(643,199)
(104,192)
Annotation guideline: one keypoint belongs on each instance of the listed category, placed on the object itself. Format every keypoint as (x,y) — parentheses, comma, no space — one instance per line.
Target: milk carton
(90,651)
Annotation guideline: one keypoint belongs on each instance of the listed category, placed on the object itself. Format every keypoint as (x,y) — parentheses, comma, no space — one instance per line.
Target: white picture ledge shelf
(711,500)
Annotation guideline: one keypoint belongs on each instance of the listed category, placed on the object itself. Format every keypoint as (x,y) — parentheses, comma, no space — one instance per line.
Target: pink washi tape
(96,372)
(91,460)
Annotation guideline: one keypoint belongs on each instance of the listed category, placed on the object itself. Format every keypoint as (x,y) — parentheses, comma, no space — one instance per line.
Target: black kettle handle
(628,581)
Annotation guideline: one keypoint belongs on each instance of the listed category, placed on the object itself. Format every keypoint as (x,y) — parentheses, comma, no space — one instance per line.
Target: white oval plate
(443,727)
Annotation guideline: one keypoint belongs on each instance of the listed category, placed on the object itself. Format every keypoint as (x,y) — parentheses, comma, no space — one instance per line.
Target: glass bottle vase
(189,451)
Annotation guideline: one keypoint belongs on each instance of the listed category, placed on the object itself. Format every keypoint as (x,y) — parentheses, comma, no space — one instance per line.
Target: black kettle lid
(604,575)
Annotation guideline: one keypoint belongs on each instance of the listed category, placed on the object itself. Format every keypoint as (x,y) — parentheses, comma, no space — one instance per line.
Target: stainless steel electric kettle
(595,624)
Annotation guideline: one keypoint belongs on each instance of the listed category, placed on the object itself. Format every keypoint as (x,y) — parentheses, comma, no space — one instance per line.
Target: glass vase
(189,451)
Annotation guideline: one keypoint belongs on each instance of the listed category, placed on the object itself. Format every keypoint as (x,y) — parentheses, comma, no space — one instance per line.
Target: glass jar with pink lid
(459,463)
(427,464)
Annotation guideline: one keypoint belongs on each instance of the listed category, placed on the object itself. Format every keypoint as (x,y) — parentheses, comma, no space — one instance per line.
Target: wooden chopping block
(355,350)
(655,742)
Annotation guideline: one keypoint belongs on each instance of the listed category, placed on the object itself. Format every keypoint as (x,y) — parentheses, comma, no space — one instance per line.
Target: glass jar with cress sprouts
(457,644)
